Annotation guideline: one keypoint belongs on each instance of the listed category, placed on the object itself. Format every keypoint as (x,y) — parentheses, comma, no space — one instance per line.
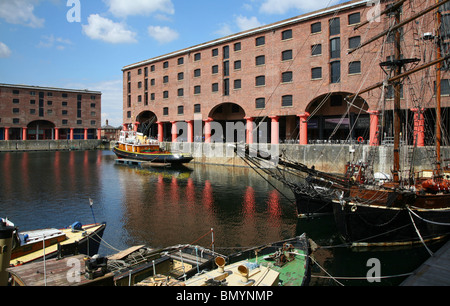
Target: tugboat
(136,146)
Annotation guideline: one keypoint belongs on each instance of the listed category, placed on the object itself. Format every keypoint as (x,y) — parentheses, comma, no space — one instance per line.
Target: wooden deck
(64,272)
(434,272)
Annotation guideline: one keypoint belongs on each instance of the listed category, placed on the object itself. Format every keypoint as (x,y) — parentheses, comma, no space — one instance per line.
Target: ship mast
(438,95)
(397,106)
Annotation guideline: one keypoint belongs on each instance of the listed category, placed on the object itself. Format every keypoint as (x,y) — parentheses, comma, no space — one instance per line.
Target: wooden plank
(59,272)
(125,253)
(434,272)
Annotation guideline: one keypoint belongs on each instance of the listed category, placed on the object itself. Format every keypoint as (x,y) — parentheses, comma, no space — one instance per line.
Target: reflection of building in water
(238,206)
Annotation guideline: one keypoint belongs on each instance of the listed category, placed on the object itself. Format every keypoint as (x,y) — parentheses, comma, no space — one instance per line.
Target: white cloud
(245,23)
(104,29)
(283,6)
(162,34)
(242,23)
(50,41)
(224,30)
(4,50)
(124,8)
(20,12)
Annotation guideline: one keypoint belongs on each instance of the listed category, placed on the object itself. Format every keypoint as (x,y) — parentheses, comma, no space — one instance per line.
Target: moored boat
(136,146)
(29,247)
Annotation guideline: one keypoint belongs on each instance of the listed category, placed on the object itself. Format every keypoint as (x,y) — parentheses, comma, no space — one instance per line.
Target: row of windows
(260,103)
(334,29)
(334,24)
(49,112)
(335,52)
(63,122)
(50,103)
(286,77)
(50,94)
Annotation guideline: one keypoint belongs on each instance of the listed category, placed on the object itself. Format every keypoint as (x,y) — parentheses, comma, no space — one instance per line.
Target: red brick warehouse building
(294,75)
(43,113)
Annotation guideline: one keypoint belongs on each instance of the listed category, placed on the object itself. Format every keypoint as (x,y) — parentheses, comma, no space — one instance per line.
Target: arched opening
(147,124)
(229,122)
(40,130)
(333,118)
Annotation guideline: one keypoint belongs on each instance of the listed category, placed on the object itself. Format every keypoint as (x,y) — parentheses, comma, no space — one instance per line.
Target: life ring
(360,139)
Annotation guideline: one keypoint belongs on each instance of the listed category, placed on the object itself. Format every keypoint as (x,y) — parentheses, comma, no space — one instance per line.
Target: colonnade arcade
(327,119)
(46,130)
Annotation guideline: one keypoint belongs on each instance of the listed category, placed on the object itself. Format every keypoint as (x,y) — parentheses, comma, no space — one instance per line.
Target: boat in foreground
(28,246)
(284,263)
(136,146)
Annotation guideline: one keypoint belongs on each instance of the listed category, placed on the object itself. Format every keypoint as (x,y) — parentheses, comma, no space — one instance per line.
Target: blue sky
(83,44)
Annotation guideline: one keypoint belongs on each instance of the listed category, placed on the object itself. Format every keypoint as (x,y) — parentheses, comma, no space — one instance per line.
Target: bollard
(6,235)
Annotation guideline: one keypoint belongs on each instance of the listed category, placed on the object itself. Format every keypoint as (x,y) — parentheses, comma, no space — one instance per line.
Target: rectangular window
(260,103)
(197,90)
(354,42)
(180,110)
(197,108)
(181,61)
(165,111)
(226,52)
(237,84)
(215,69)
(166,65)
(165,94)
(354,18)
(335,75)
(286,77)
(237,46)
(354,67)
(260,80)
(260,60)
(286,55)
(286,100)
(180,92)
(165,79)
(316,27)
(197,73)
(215,52)
(180,76)
(215,87)
(335,48)
(335,26)
(316,73)
(226,68)
(286,34)
(260,41)
(197,56)
(226,87)
(316,49)
(237,65)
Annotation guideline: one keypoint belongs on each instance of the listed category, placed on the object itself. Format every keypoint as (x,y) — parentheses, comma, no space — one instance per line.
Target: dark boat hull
(163,158)
(312,206)
(374,225)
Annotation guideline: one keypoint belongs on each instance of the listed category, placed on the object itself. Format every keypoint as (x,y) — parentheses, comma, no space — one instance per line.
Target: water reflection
(169,207)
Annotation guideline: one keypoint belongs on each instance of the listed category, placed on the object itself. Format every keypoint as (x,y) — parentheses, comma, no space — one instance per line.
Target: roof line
(49,88)
(250,32)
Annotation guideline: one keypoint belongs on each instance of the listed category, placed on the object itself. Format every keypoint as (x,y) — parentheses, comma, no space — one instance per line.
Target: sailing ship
(134,145)
(405,207)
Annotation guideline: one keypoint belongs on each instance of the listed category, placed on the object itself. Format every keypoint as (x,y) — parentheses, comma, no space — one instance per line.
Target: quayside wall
(50,145)
(325,157)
